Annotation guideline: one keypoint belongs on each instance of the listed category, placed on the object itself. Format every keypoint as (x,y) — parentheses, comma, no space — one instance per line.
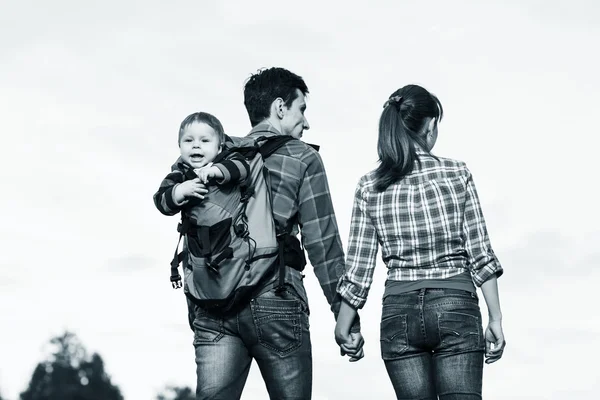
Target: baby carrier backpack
(234,244)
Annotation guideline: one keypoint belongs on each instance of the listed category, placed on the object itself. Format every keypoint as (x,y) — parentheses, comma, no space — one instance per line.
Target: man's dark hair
(262,88)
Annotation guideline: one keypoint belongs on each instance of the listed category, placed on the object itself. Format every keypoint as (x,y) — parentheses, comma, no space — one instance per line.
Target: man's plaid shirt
(299,185)
(429,226)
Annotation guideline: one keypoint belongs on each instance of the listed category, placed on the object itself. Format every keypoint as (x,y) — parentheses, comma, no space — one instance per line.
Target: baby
(201,139)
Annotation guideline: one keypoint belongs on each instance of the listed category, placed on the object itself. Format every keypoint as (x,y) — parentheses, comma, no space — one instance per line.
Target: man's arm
(319,230)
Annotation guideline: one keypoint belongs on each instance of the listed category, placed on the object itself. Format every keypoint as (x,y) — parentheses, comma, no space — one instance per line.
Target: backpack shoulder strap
(271,144)
(223,155)
(182,228)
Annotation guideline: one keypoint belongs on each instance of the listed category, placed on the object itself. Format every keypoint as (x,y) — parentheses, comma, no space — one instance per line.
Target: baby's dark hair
(204,118)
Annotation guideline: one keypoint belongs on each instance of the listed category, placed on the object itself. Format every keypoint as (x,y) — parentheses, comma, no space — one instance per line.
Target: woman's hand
(494,341)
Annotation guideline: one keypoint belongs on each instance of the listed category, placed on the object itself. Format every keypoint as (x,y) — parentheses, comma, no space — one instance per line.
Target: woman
(425,214)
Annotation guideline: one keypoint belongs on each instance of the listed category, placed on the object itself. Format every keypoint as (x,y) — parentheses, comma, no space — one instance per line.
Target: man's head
(278,96)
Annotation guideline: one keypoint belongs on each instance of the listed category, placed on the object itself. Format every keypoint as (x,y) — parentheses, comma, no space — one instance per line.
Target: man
(273,327)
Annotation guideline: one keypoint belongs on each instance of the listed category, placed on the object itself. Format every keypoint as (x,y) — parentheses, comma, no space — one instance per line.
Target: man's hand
(189,189)
(495,337)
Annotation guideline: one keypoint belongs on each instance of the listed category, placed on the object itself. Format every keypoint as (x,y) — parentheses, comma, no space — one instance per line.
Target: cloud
(538,258)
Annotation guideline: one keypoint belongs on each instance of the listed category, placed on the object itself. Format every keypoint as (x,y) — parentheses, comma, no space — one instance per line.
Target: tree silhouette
(177,393)
(70,374)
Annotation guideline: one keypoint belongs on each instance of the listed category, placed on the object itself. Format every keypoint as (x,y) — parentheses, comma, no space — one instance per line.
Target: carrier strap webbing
(269,146)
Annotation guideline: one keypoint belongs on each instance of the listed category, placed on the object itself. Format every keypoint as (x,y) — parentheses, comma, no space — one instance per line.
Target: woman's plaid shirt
(429,226)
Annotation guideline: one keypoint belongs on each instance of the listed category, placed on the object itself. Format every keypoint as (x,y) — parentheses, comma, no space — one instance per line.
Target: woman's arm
(345,320)
(492,300)
(494,336)
(485,270)
(363,244)
(351,343)
(354,284)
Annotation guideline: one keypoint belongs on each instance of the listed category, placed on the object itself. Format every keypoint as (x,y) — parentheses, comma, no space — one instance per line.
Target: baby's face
(199,144)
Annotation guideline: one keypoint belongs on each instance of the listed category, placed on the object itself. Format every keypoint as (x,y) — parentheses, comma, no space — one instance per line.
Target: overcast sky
(91,98)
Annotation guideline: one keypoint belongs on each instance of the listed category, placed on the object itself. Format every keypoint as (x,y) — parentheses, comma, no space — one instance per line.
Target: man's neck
(274,123)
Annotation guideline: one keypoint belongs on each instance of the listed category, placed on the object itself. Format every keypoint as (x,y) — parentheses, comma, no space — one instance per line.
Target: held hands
(351,344)
(494,342)
(189,189)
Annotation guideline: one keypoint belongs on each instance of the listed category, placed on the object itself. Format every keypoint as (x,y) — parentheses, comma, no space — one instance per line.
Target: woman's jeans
(272,329)
(432,344)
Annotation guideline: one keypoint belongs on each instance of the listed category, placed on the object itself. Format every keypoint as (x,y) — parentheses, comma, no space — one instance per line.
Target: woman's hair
(205,118)
(401,127)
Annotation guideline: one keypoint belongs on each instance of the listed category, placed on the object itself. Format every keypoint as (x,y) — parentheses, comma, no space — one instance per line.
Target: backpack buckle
(183,227)
(176,281)
(214,267)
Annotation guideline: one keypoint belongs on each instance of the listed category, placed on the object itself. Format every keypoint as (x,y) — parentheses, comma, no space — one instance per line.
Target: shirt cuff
(491,269)
(355,296)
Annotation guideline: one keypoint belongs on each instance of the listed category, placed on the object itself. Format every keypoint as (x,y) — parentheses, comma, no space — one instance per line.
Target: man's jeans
(273,329)
(432,344)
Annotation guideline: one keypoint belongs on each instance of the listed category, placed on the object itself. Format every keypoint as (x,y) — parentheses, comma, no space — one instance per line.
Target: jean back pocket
(279,323)
(393,336)
(460,331)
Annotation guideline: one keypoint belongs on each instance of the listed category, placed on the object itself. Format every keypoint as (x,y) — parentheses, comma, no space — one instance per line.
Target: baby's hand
(208,172)
(189,189)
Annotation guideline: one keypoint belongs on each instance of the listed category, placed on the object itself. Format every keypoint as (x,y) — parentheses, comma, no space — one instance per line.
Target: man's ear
(278,107)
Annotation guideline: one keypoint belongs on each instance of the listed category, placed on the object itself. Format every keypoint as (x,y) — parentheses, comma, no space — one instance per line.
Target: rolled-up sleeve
(483,263)
(362,253)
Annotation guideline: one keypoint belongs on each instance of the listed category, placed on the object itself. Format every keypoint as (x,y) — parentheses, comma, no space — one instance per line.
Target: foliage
(177,393)
(70,374)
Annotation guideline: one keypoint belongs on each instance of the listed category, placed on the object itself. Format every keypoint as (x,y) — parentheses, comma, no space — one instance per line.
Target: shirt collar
(264,129)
